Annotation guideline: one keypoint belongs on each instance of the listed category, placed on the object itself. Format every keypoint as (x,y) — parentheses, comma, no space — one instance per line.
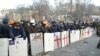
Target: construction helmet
(5,21)
(45,22)
(10,21)
(32,21)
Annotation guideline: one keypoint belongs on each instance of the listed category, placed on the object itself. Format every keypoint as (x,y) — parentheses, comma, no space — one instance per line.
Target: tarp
(48,42)
(3,47)
(65,38)
(18,47)
(36,43)
(57,40)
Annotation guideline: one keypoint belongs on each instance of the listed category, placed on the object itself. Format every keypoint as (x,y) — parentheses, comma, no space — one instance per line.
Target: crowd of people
(11,29)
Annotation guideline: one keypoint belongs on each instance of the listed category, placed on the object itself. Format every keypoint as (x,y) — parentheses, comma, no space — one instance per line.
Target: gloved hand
(13,39)
(24,38)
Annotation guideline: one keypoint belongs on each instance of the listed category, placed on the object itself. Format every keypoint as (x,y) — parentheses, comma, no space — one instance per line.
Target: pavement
(86,47)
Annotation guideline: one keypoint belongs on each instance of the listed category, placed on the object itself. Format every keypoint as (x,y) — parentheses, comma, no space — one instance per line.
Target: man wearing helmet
(45,27)
(30,27)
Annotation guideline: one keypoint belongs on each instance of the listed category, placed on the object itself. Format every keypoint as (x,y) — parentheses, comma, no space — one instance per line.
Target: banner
(3,47)
(18,47)
(48,42)
(57,40)
(36,40)
(65,39)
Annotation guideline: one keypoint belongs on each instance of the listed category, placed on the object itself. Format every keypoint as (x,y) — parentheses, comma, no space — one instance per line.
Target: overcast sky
(6,4)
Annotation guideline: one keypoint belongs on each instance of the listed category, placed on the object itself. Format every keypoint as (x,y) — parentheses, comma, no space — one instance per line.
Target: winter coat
(4,33)
(43,29)
(54,28)
(33,29)
(13,32)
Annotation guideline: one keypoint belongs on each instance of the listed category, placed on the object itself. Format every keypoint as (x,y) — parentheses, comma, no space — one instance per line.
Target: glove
(24,38)
(13,39)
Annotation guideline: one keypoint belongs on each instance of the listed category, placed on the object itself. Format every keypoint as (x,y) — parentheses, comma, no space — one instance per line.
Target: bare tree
(81,7)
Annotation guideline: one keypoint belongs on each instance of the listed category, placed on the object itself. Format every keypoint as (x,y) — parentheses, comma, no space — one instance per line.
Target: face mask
(17,27)
(33,24)
(21,22)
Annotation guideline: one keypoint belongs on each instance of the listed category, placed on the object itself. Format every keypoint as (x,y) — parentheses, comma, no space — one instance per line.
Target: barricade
(36,40)
(18,47)
(3,47)
(72,36)
(77,35)
(67,34)
(91,32)
(82,34)
(57,40)
(87,32)
(65,38)
(48,42)
(42,42)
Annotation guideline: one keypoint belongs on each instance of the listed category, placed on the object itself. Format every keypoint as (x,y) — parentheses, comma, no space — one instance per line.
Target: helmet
(5,21)
(32,21)
(10,21)
(45,22)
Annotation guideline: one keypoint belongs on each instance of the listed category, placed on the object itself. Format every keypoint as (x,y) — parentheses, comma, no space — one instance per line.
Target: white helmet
(32,21)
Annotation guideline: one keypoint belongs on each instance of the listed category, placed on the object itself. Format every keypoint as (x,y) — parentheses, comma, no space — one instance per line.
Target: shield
(48,42)
(72,36)
(82,34)
(18,47)
(86,32)
(64,38)
(3,47)
(91,32)
(77,35)
(36,43)
(57,40)
(67,35)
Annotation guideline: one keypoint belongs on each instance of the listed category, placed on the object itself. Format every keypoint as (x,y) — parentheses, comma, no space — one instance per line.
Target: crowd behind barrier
(31,38)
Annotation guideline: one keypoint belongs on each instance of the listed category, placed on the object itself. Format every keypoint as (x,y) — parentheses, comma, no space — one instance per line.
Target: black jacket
(4,32)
